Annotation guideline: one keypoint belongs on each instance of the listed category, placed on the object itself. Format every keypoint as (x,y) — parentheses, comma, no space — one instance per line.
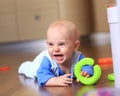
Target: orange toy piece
(5,68)
(105,61)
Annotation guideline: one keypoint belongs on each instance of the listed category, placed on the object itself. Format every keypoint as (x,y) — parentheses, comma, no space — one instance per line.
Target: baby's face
(60,44)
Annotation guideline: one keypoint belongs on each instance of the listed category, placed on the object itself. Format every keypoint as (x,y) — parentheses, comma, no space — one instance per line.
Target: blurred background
(23,20)
(23,23)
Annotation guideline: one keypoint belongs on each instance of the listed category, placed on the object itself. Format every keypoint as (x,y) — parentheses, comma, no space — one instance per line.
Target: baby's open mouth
(58,57)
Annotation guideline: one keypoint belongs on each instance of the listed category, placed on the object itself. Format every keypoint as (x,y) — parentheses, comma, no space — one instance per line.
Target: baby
(55,66)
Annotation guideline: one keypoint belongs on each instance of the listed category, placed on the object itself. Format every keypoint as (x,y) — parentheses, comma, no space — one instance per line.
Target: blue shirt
(49,68)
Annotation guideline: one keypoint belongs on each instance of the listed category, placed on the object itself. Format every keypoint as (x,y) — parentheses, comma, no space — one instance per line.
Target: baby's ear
(77,44)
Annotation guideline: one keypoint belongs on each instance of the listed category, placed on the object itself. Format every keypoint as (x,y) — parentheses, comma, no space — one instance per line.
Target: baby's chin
(59,60)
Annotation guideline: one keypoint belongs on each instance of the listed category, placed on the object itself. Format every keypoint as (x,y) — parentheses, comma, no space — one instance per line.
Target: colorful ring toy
(91,80)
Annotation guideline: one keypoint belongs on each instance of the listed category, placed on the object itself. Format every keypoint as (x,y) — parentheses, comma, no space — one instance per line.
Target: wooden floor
(13,54)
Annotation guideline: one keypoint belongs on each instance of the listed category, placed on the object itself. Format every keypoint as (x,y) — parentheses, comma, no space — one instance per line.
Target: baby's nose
(56,48)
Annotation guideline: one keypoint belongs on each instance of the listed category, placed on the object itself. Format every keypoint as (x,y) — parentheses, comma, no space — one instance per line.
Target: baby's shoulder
(77,53)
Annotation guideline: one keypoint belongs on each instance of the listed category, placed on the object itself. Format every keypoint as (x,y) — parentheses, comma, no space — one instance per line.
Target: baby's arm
(46,77)
(63,80)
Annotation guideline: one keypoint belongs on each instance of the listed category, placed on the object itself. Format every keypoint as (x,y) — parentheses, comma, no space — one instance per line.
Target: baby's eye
(61,44)
(50,44)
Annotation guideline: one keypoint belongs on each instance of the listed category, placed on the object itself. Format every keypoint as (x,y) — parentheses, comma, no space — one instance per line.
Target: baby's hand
(85,74)
(64,80)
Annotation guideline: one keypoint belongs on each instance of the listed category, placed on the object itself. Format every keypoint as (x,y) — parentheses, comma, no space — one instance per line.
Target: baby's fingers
(84,73)
(67,75)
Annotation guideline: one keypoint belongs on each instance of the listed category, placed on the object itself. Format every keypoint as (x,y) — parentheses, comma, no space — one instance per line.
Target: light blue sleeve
(44,72)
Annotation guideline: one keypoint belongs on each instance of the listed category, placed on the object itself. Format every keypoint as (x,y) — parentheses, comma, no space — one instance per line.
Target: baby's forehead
(57,41)
(62,29)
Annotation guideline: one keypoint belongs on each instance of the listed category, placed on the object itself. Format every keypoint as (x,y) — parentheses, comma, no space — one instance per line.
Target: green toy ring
(111,77)
(91,80)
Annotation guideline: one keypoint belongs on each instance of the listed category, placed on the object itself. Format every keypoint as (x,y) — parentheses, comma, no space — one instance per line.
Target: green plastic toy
(111,77)
(91,80)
